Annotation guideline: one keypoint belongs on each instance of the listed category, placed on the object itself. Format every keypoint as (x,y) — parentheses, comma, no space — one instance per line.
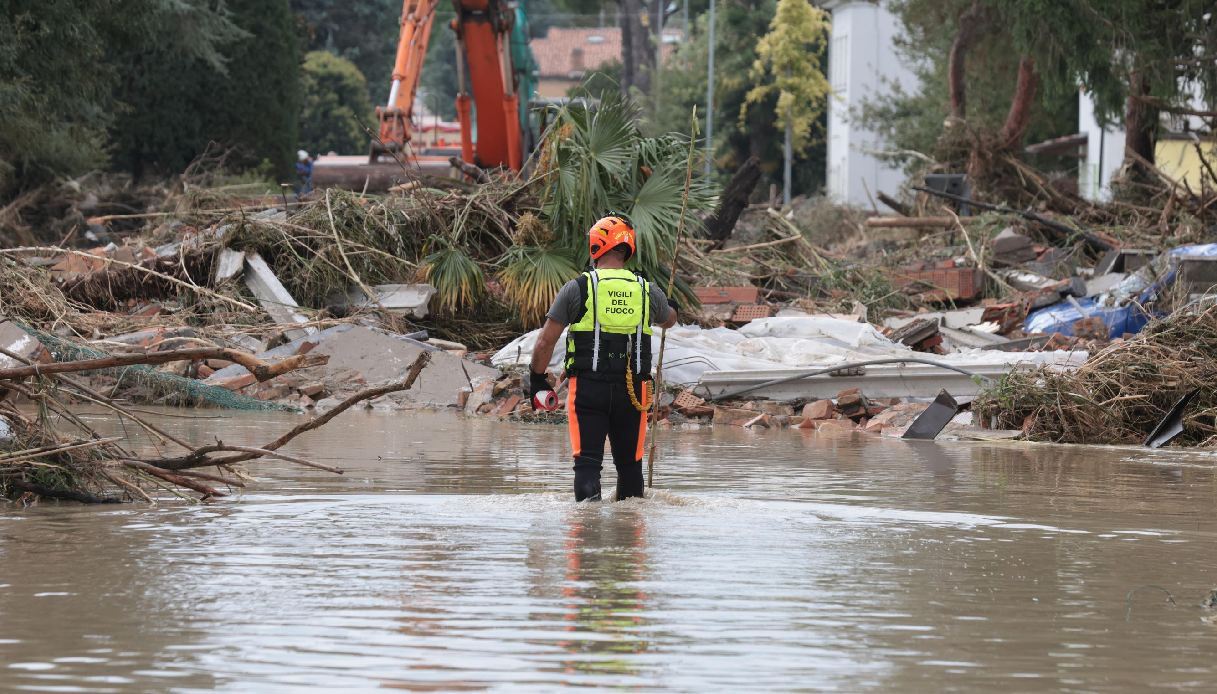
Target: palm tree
(596,160)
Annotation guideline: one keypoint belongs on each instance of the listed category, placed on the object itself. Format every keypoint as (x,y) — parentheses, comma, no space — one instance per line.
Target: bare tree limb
(260,369)
(200,459)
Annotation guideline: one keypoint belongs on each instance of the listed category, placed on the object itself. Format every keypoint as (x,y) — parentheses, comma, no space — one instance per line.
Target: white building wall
(1104,152)
(862,64)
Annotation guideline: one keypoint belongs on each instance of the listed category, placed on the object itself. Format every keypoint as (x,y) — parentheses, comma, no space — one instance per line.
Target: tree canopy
(335,105)
(788,65)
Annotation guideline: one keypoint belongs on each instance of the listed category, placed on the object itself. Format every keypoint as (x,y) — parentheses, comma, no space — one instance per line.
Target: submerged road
(450,558)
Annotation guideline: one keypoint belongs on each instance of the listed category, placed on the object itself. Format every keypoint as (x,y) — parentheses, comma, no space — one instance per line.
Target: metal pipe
(710,97)
(393,94)
(851,365)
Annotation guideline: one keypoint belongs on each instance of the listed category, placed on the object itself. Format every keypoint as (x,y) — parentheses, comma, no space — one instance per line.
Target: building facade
(862,64)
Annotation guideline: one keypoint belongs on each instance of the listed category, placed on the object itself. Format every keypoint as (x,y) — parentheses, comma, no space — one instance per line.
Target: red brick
(835,425)
(750,312)
(761,420)
(506,406)
(314,390)
(687,401)
(732,416)
(820,409)
(727,295)
(237,382)
(955,283)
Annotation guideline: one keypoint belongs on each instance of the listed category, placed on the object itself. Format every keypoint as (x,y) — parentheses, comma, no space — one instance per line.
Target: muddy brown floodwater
(449,557)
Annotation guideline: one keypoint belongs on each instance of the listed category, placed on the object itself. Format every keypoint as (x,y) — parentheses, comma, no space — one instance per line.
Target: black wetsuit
(599,407)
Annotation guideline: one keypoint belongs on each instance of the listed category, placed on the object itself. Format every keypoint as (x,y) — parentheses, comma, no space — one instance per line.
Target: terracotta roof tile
(566,52)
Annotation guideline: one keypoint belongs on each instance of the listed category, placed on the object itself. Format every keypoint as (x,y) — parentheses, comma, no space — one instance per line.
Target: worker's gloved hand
(537,383)
(673,305)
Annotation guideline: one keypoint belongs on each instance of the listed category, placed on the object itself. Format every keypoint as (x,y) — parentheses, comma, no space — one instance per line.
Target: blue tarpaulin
(1129,318)
(1059,318)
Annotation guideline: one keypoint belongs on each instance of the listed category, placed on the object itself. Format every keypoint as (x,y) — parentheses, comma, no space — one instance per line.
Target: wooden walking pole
(663,335)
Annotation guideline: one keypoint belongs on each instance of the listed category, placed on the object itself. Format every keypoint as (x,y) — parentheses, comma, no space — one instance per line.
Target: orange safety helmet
(610,232)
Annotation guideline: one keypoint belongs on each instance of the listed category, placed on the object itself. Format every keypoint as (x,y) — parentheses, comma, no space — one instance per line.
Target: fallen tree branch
(61,494)
(179,480)
(260,369)
(219,447)
(122,263)
(1063,230)
(199,457)
(754,246)
(94,396)
(469,170)
(30,454)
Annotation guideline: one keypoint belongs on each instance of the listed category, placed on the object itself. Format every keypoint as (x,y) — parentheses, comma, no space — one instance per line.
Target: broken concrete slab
(21,343)
(382,357)
(360,355)
(1104,283)
(971,339)
(958,318)
(229,264)
(1012,248)
(401,299)
(274,297)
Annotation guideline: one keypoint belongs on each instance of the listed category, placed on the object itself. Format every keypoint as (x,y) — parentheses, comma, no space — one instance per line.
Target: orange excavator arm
(395,116)
(483,34)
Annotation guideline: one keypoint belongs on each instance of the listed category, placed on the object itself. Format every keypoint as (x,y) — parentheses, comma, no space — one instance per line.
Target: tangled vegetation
(1121,392)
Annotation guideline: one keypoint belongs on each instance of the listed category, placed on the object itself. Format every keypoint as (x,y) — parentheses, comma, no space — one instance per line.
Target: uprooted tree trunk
(1140,123)
(1019,115)
(733,202)
(988,162)
(970,25)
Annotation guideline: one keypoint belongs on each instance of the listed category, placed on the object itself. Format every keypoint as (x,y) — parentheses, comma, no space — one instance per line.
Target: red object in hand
(546,400)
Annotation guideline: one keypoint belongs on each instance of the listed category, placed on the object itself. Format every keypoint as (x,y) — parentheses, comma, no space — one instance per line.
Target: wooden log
(908,222)
(261,370)
(469,170)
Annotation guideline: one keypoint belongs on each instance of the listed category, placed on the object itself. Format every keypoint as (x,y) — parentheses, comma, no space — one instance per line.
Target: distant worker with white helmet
(304,172)
(610,311)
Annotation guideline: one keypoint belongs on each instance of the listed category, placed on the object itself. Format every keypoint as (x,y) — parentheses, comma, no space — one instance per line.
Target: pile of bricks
(850,411)
(732,305)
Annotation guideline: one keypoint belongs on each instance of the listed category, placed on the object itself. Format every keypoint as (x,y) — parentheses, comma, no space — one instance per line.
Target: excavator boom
(417,17)
(494,73)
(483,33)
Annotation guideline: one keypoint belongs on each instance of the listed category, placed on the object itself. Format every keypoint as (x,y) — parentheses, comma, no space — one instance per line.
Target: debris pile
(1121,392)
(38,459)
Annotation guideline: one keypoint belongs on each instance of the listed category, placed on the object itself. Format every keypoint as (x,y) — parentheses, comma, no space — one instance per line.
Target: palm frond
(457,279)
(532,278)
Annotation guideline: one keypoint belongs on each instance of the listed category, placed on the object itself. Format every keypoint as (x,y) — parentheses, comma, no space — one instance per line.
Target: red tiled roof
(558,53)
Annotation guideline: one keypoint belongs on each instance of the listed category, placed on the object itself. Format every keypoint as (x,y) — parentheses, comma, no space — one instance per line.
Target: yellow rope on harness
(629,384)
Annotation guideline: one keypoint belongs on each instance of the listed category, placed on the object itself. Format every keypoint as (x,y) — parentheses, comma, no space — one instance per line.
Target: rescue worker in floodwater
(610,311)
